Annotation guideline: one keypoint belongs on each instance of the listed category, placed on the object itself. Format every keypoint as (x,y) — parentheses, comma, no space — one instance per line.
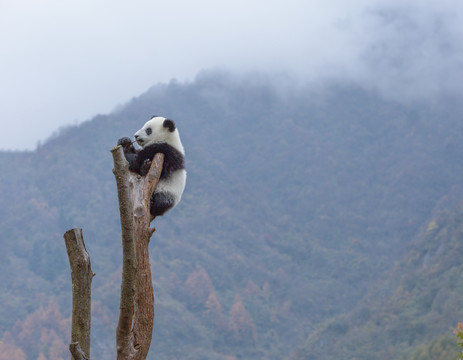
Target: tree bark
(124,336)
(76,352)
(135,327)
(81,275)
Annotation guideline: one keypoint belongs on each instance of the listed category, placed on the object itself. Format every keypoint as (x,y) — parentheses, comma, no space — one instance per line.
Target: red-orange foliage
(265,288)
(251,288)
(213,311)
(43,330)
(213,305)
(11,352)
(174,282)
(198,287)
(241,323)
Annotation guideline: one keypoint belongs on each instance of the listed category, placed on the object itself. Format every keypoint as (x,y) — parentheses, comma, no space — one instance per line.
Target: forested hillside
(418,301)
(317,223)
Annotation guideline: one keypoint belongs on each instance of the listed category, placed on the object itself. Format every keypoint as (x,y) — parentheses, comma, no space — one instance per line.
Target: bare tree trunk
(81,275)
(135,327)
(124,337)
(136,317)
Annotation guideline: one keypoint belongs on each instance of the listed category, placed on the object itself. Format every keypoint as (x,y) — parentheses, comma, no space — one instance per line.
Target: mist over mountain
(300,200)
(89,57)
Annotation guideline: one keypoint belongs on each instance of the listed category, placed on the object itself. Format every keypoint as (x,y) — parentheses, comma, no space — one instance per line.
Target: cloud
(67,61)
(415,53)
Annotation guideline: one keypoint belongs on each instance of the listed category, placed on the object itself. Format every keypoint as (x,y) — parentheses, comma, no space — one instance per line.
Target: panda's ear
(169,124)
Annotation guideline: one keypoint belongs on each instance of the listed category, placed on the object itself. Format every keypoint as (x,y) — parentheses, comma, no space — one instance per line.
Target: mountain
(301,203)
(418,301)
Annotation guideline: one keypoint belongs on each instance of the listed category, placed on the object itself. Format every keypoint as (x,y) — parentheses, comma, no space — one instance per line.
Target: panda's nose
(136,136)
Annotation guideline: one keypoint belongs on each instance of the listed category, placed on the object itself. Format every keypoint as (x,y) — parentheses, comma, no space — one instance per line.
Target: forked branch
(135,327)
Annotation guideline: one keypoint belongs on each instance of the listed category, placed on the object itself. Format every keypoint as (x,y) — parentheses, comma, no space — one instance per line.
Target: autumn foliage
(199,287)
(11,352)
(459,335)
(241,323)
(43,332)
(239,326)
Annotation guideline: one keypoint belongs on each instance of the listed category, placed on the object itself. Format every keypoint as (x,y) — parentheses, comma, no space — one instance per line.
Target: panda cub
(159,135)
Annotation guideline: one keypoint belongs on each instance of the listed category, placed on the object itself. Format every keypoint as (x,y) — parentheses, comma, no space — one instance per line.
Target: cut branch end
(77,352)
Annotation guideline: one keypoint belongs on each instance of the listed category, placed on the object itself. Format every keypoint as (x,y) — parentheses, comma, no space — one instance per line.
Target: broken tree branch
(81,276)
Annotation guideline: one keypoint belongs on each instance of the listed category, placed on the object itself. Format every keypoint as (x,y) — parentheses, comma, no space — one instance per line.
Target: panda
(159,135)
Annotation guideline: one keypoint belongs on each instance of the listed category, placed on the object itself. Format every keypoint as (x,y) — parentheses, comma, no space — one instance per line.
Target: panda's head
(159,130)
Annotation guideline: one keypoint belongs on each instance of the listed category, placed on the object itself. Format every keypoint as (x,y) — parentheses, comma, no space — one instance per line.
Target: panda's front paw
(145,167)
(125,142)
(127,145)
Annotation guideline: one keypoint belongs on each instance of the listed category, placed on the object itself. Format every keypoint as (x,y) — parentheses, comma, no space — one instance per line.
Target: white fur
(159,134)
(174,184)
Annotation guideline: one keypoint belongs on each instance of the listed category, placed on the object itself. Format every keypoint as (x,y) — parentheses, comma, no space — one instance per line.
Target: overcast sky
(62,62)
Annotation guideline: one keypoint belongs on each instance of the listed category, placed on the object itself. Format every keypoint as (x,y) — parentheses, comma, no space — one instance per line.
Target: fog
(64,62)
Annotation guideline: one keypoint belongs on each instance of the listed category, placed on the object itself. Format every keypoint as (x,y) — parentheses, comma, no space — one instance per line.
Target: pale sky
(63,62)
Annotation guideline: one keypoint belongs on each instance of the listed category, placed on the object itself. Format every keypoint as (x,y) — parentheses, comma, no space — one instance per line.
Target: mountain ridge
(297,200)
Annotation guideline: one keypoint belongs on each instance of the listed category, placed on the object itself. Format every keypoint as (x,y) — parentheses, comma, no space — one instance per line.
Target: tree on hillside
(135,327)
(198,287)
(241,323)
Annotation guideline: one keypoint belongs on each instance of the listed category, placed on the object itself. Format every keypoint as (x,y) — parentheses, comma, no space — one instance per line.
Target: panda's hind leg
(160,203)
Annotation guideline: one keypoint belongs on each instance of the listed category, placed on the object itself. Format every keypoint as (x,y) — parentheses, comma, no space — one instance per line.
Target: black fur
(169,124)
(140,161)
(173,159)
(160,203)
(129,150)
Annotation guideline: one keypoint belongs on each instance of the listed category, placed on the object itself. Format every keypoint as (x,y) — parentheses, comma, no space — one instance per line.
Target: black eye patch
(148,131)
